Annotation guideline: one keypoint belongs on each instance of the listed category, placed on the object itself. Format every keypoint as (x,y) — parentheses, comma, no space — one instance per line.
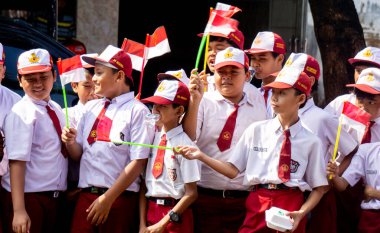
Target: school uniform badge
(172,172)
(294,166)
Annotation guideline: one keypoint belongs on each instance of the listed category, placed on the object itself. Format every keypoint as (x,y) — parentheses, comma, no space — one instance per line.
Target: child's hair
(314,88)
(221,39)
(127,80)
(177,105)
(297,93)
(363,95)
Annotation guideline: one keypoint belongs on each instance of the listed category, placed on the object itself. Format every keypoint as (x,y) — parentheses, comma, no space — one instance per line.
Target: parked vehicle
(18,36)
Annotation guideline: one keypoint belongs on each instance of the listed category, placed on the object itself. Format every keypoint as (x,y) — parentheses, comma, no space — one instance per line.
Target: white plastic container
(276,219)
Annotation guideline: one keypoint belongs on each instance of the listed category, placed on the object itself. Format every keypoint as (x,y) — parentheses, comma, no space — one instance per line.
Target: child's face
(229,81)
(213,48)
(265,64)
(85,89)
(372,106)
(285,101)
(104,81)
(38,85)
(2,72)
(169,116)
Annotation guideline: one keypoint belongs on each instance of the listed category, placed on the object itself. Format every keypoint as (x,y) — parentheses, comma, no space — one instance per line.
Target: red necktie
(54,118)
(285,156)
(99,128)
(367,133)
(266,92)
(225,137)
(159,161)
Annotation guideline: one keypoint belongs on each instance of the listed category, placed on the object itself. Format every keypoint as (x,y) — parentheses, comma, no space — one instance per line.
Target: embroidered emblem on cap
(289,62)
(178,75)
(257,41)
(226,135)
(368,53)
(33,58)
(370,77)
(311,70)
(228,54)
(118,63)
(161,87)
(280,45)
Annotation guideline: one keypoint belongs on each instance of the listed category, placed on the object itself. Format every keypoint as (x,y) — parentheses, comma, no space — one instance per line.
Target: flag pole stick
(143,64)
(201,46)
(337,141)
(59,66)
(136,144)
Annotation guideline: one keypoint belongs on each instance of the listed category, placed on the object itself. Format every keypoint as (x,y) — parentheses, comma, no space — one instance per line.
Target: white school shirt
(102,162)
(335,107)
(269,109)
(366,164)
(7,99)
(213,113)
(177,170)
(31,137)
(75,113)
(325,126)
(258,151)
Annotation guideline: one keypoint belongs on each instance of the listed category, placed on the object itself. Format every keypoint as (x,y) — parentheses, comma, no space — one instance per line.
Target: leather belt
(275,187)
(53,194)
(223,193)
(165,201)
(100,191)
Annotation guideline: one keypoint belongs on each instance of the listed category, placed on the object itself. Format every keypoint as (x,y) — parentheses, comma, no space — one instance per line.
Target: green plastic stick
(202,45)
(137,144)
(65,102)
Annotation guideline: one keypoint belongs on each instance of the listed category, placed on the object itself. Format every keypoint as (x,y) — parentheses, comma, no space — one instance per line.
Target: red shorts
(263,199)
(369,221)
(156,212)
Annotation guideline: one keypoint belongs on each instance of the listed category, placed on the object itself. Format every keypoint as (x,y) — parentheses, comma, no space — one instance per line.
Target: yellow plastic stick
(337,141)
(206,51)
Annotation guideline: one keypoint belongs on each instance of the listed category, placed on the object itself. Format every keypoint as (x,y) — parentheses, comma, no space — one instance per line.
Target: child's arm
(346,161)
(371,193)
(189,197)
(338,182)
(99,209)
(224,168)
(142,206)
(69,138)
(21,221)
(196,92)
(313,199)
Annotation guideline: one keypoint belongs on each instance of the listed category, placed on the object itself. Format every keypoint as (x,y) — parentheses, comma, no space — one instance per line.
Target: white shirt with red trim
(325,126)
(177,171)
(102,162)
(258,151)
(213,113)
(31,137)
(366,164)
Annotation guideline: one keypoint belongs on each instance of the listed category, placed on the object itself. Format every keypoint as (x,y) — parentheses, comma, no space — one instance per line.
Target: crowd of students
(223,150)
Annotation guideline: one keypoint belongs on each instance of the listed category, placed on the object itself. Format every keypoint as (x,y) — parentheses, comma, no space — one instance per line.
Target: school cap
(175,74)
(113,57)
(2,53)
(291,77)
(304,62)
(236,36)
(231,56)
(85,64)
(170,91)
(369,81)
(267,42)
(370,55)
(34,61)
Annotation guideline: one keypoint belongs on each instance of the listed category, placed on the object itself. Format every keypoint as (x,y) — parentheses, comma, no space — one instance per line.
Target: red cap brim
(365,88)
(255,51)
(279,85)
(156,100)
(33,69)
(228,63)
(352,61)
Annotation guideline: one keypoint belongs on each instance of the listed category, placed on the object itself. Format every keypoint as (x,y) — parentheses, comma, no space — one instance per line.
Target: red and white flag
(71,70)
(158,45)
(226,10)
(355,113)
(220,24)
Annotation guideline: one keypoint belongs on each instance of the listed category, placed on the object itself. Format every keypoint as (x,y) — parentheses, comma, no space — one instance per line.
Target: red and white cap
(85,64)
(175,74)
(113,57)
(370,55)
(236,36)
(231,56)
(170,91)
(304,62)
(267,42)
(2,54)
(291,77)
(369,81)
(34,61)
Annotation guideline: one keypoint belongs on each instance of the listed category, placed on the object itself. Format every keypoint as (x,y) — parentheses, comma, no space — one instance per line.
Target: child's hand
(99,210)
(69,135)
(21,222)
(368,193)
(188,152)
(196,85)
(295,217)
(332,169)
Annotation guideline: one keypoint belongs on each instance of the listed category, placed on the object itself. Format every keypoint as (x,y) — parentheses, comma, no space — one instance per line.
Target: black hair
(221,39)
(363,95)
(177,105)
(127,80)
(314,88)
(298,92)
(91,70)
(275,55)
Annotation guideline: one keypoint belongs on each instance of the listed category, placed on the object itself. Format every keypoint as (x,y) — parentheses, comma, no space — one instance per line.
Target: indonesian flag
(355,113)
(220,24)
(226,10)
(71,70)
(158,45)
